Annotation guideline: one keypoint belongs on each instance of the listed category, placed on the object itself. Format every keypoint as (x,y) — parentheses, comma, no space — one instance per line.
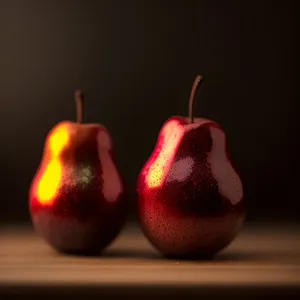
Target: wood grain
(260,256)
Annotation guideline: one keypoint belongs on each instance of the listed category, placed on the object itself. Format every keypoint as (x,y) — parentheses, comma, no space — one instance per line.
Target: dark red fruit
(190,197)
(77,199)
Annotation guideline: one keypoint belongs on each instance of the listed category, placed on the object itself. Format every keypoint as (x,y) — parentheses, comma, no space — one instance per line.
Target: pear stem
(79,99)
(197,82)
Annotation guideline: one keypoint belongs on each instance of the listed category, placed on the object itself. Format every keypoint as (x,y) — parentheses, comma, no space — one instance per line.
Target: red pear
(77,198)
(190,196)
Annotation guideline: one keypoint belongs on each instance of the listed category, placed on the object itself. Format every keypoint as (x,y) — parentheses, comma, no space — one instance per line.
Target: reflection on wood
(261,256)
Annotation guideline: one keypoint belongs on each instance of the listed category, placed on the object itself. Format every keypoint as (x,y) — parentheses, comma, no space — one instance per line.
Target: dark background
(136,61)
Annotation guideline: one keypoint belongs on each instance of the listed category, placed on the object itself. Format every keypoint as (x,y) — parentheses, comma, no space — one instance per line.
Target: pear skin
(78,198)
(190,196)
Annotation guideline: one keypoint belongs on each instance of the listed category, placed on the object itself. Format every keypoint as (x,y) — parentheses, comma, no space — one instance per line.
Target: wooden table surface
(264,258)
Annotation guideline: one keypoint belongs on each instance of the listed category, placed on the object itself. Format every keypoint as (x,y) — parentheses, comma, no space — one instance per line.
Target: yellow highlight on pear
(59,140)
(158,169)
(50,180)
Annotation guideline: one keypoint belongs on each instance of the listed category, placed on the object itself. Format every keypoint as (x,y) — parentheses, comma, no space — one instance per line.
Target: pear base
(76,237)
(184,237)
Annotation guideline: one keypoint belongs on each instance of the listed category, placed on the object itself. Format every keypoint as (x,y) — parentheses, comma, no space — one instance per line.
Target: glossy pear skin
(190,197)
(77,198)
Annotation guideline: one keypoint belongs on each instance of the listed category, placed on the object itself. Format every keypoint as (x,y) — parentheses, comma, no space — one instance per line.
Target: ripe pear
(190,195)
(78,198)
